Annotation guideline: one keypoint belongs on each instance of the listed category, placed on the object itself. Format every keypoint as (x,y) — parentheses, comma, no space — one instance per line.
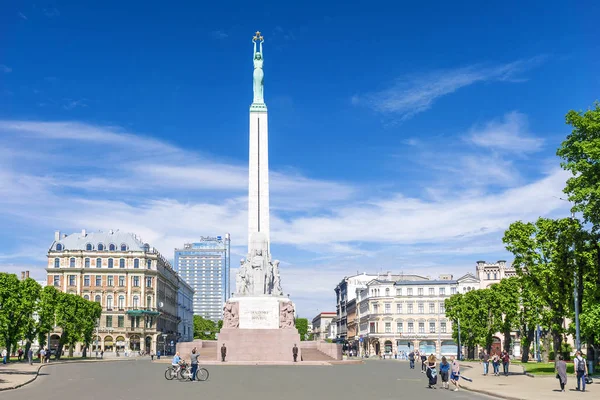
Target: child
(444,372)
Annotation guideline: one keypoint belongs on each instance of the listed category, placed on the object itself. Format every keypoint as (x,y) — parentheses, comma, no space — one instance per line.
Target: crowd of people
(448,371)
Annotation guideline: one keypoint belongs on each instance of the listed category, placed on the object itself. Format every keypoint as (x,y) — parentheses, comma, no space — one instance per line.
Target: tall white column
(258,175)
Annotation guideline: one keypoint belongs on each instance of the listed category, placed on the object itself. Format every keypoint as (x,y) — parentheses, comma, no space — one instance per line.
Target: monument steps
(312,354)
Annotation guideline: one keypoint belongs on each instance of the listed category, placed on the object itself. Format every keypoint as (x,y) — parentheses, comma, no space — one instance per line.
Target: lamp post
(575,288)
(459,344)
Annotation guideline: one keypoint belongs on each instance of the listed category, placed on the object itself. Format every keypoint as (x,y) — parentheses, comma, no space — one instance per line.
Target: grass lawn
(536,368)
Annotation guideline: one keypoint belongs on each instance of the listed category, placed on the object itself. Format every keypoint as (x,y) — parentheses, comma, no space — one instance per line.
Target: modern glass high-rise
(205,267)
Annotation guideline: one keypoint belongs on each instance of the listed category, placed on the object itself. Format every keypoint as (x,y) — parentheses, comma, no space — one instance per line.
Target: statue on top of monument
(258,275)
(258,69)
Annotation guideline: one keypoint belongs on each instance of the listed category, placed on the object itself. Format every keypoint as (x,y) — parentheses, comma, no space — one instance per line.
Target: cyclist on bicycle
(176,361)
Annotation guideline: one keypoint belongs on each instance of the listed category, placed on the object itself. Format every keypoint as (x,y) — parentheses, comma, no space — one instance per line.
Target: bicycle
(172,372)
(185,373)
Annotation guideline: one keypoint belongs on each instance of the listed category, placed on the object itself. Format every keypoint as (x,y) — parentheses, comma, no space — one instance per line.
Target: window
(136,301)
(136,281)
(71,280)
(98,280)
(411,327)
(387,291)
(453,290)
(87,263)
(112,247)
(410,308)
(442,308)
(57,263)
(372,327)
(121,281)
(431,308)
(443,327)
(432,291)
(97,298)
(110,263)
(146,247)
(72,262)
(399,292)
(432,327)
(56,280)
(495,276)
(398,308)
(121,321)
(136,263)
(123,247)
(109,302)
(110,280)
(421,308)
(121,263)
(442,291)
(488,276)
(375,308)
(121,302)
(100,247)
(399,327)
(98,263)
(86,297)
(109,321)
(86,280)
(59,247)
(421,327)
(420,291)
(88,247)
(409,292)
(149,264)
(388,308)
(388,327)
(148,301)
(148,281)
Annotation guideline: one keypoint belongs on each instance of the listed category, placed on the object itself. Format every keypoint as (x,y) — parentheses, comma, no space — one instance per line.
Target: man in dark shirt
(223,352)
(295,352)
(194,361)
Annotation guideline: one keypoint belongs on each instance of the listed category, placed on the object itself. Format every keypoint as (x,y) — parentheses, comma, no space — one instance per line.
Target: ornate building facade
(134,283)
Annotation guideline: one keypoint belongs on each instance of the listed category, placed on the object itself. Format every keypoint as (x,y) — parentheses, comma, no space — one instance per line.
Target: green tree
(302,326)
(46,313)
(68,308)
(91,312)
(528,317)
(204,329)
(506,299)
(544,258)
(17,303)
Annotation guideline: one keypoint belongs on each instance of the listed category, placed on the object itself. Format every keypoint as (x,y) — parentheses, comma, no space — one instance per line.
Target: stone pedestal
(259,328)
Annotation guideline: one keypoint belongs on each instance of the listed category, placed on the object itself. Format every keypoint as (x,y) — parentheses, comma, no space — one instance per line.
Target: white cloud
(50,179)
(4,68)
(23,16)
(510,134)
(411,95)
(219,34)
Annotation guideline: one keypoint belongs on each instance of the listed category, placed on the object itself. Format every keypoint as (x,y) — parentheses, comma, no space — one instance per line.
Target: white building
(185,311)
(321,325)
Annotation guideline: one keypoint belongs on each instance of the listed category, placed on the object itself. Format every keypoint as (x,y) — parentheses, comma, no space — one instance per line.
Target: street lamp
(575,289)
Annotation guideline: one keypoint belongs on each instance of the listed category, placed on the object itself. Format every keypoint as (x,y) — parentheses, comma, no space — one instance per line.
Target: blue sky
(403,136)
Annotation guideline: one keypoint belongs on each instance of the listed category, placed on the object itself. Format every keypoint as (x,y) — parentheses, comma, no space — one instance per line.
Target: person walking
(194,360)
(423,363)
(411,359)
(30,356)
(431,371)
(561,372)
(42,355)
(20,354)
(158,355)
(505,362)
(444,372)
(455,373)
(496,364)
(4,356)
(151,355)
(580,370)
(295,352)
(223,352)
(485,361)
(48,354)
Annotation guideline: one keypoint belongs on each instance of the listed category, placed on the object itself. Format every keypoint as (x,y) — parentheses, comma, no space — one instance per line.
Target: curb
(51,364)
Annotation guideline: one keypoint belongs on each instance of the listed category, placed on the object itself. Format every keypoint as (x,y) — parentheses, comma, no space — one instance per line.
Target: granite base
(259,345)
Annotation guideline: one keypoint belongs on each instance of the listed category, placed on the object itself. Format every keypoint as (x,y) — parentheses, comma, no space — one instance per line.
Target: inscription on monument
(259,314)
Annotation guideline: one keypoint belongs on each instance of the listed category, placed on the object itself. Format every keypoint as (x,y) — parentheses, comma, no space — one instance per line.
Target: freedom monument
(258,321)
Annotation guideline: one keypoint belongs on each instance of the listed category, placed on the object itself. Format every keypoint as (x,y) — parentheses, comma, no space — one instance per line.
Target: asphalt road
(133,380)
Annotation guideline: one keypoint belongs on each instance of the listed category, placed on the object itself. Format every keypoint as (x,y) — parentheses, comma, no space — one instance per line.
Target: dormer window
(112,247)
(59,247)
(89,247)
(146,247)
(123,247)
(100,247)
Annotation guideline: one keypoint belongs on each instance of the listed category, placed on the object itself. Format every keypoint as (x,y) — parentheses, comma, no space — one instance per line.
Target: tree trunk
(507,340)
(84,354)
(58,350)
(27,347)
(71,346)
(526,345)
(556,344)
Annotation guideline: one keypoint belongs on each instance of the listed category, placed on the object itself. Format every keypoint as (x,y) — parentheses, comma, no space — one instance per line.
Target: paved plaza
(132,380)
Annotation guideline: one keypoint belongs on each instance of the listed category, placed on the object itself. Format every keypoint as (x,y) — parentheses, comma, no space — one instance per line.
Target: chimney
(56,236)
(22,275)
(26,274)
(83,233)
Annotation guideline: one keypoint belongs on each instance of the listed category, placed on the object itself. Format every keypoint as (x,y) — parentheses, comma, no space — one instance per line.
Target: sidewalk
(17,374)
(519,386)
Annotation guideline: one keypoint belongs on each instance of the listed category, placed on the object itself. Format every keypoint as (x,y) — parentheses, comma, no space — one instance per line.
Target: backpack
(580,365)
